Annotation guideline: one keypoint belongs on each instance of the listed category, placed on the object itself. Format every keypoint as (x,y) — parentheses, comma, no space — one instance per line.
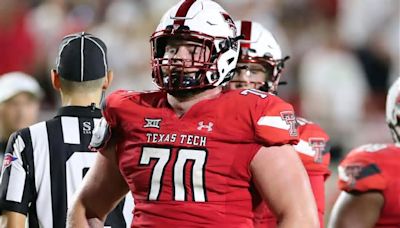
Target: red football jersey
(193,170)
(375,167)
(313,150)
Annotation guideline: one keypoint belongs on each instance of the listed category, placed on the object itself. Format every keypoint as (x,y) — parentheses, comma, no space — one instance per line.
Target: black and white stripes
(47,164)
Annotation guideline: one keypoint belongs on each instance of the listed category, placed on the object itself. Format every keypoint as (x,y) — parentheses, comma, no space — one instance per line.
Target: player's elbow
(311,222)
(305,218)
(311,219)
(76,215)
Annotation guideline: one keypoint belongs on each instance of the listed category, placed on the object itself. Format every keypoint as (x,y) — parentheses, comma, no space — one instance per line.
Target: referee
(44,164)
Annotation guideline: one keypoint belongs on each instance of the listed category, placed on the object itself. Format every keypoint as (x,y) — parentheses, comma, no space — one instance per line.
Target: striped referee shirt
(2,151)
(44,166)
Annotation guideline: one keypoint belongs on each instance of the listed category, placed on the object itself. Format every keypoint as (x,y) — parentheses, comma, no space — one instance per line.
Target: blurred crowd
(343,53)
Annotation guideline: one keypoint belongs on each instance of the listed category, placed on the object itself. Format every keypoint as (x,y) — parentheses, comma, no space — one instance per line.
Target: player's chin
(185,84)
(186,93)
(242,86)
(239,86)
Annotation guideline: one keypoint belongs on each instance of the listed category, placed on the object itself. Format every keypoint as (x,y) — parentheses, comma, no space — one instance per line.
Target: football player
(369,178)
(189,153)
(259,67)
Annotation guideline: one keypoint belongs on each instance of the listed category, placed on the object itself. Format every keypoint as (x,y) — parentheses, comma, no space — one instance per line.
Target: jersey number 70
(163,155)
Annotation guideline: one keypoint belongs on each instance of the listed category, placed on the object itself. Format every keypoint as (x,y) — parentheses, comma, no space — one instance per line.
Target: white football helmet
(259,46)
(207,24)
(393,110)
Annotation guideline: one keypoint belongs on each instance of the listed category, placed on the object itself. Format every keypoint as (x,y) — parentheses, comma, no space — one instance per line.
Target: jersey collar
(79,111)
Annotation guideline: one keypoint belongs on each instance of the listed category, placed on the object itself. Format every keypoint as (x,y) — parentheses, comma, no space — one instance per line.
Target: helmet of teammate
(393,110)
(209,27)
(260,47)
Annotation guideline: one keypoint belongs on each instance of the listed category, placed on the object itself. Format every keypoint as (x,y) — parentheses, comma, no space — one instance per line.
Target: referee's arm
(15,186)
(103,181)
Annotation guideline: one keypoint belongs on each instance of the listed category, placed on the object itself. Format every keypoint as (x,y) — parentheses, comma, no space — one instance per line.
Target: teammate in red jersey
(190,152)
(259,66)
(369,179)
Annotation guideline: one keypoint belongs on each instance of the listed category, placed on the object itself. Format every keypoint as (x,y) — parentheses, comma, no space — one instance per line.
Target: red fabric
(230,144)
(309,131)
(246,31)
(317,173)
(182,11)
(375,167)
(318,186)
(17,48)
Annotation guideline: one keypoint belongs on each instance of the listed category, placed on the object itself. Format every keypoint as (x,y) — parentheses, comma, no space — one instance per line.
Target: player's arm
(10,219)
(356,210)
(103,188)
(285,186)
(361,182)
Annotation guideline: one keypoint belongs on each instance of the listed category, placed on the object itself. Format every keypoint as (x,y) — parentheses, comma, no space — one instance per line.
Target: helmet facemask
(394,121)
(393,110)
(395,130)
(271,68)
(171,72)
(211,34)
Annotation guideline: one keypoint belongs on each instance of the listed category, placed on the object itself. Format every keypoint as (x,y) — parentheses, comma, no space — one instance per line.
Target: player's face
(20,111)
(248,76)
(185,56)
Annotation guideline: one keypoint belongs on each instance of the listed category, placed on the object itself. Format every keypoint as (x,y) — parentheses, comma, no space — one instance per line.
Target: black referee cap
(82,57)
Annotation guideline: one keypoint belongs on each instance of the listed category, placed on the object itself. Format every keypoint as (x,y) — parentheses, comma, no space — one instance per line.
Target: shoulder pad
(360,173)
(101,135)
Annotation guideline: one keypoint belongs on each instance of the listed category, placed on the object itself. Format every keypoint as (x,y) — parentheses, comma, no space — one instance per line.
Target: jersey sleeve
(107,126)
(317,183)
(275,122)
(17,188)
(359,172)
(109,105)
(313,148)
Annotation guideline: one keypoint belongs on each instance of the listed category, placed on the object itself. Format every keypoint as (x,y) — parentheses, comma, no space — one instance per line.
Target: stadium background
(344,53)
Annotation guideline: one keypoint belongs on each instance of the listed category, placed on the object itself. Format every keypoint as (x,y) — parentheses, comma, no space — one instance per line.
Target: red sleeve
(275,122)
(360,172)
(108,125)
(314,148)
(115,103)
(318,187)
(110,105)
